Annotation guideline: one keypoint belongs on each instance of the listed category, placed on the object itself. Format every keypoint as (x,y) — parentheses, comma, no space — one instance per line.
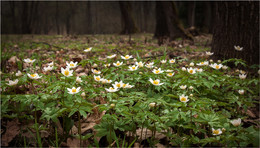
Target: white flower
(191,64)
(157,71)
(50,64)
(216,66)
(242,71)
(183,69)
(238,48)
(203,63)
(88,49)
(199,69)
(216,132)
(127,57)
(168,70)
(191,87)
(118,84)
(66,72)
(34,76)
(97,78)
(183,86)
(111,56)
(241,91)
(209,53)
(170,74)
(149,66)
(104,81)
(127,85)
(139,64)
(112,89)
(18,73)
(191,70)
(95,71)
(152,104)
(73,90)
(78,79)
(71,64)
(236,122)
(107,65)
(155,82)
(163,61)
(12,83)
(172,61)
(224,67)
(29,60)
(184,98)
(242,76)
(49,68)
(117,64)
(108,81)
(133,68)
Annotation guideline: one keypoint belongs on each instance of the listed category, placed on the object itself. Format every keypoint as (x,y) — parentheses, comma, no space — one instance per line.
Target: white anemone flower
(156,82)
(133,68)
(238,48)
(184,98)
(127,57)
(112,89)
(158,71)
(66,72)
(209,53)
(95,71)
(118,84)
(108,81)
(29,60)
(216,131)
(127,85)
(242,76)
(88,49)
(172,61)
(73,90)
(50,64)
(111,56)
(107,65)
(139,64)
(12,83)
(242,71)
(78,80)
(163,61)
(191,70)
(168,70)
(46,69)
(71,64)
(149,66)
(199,70)
(19,73)
(216,66)
(236,122)
(97,78)
(34,76)
(183,86)
(241,91)
(224,67)
(170,74)
(183,69)
(203,63)
(117,64)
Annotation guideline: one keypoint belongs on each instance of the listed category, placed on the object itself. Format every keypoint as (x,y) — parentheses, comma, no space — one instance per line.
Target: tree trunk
(57,18)
(167,22)
(89,18)
(236,23)
(191,13)
(12,6)
(129,25)
(207,17)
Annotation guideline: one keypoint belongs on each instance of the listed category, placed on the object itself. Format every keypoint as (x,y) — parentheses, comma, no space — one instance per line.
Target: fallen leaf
(12,129)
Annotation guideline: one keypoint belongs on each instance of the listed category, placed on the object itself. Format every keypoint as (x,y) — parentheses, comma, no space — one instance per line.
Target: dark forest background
(94,17)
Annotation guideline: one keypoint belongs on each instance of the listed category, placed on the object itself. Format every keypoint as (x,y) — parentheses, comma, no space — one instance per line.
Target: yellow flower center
(202,63)
(216,132)
(170,74)
(124,85)
(95,71)
(217,67)
(117,64)
(156,82)
(33,75)
(127,56)
(133,68)
(71,64)
(30,59)
(111,88)
(74,90)
(172,61)
(191,71)
(157,71)
(118,85)
(97,78)
(66,72)
(183,99)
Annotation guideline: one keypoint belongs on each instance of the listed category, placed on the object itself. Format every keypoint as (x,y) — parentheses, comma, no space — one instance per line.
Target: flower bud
(191,87)
(152,105)
(191,64)
(219,61)
(191,95)
(95,65)
(135,59)
(112,105)
(211,60)
(83,94)
(183,69)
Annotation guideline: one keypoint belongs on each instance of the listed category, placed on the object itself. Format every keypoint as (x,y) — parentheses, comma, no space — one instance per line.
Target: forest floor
(55,123)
